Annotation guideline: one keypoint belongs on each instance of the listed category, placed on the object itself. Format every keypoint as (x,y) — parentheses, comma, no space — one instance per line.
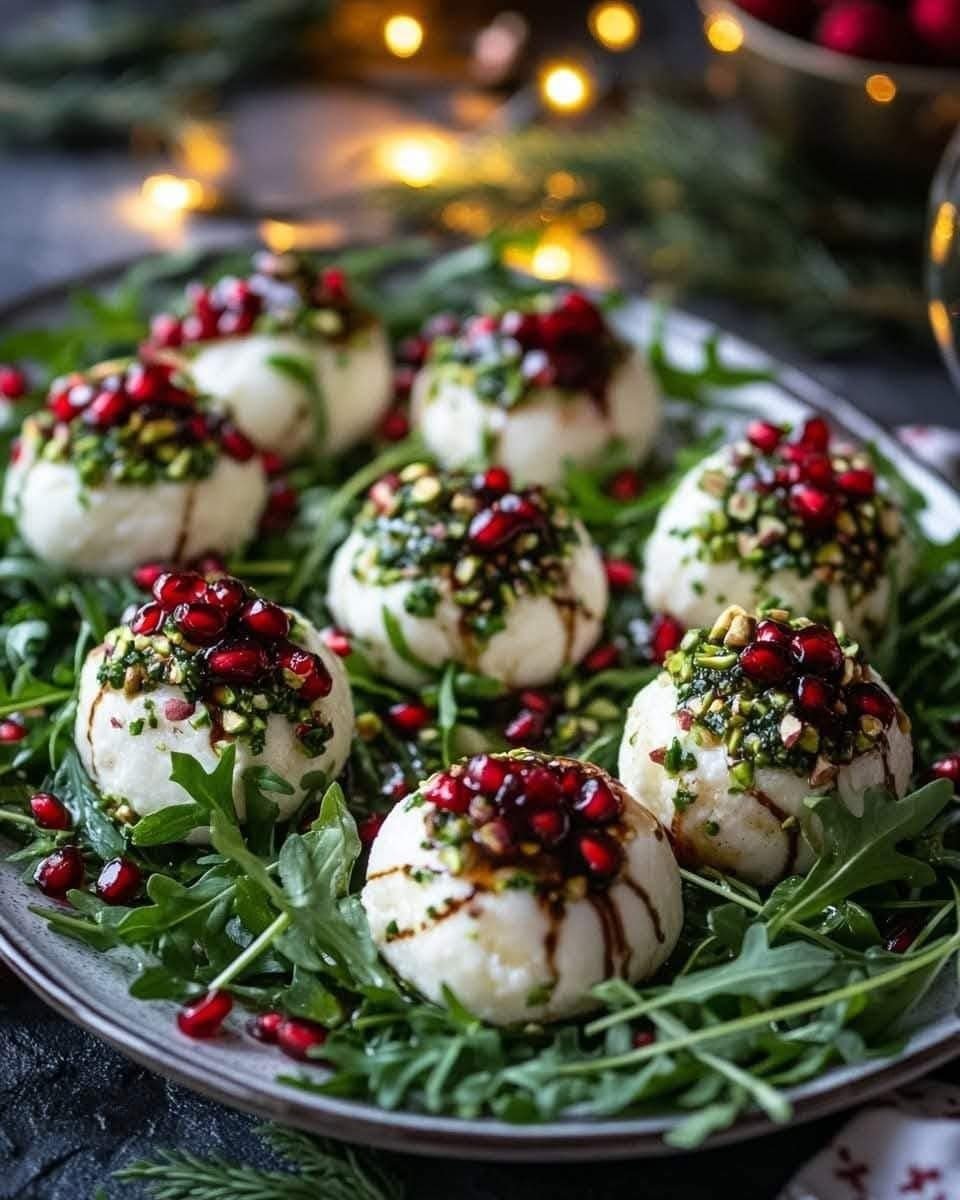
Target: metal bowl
(874,121)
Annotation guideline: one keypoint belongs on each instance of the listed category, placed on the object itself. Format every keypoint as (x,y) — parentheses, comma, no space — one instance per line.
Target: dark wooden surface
(72,1110)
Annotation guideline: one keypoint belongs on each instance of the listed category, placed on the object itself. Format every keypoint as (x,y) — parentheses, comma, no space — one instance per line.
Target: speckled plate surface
(91,988)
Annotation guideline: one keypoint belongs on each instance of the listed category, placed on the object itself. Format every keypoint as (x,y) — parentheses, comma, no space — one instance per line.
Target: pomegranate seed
(272,463)
(444,324)
(815,434)
(494,479)
(178,587)
(870,700)
(549,825)
(764,435)
(394,424)
(297,1036)
(597,804)
(447,792)
(902,936)
(813,505)
(413,351)
(643,1037)
(817,652)
(666,634)
(227,594)
(369,827)
(333,281)
(487,773)
(13,382)
(210,565)
(147,619)
(143,382)
(495,527)
(240,661)
(12,731)
(533,698)
(236,444)
(857,482)
(525,728)
(947,767)
(403,380)
(49,811)
(337,641)
(265,619)
(316,680)
(601,658)
(178,710)
(230,324)
(166,331)
(600,853)
(408,717)
(774,631)
(200,622)
(818,470)
(282,504)
(815,698)
(203,1018)
(144,577)
(540,786)
(16,450)
(59,872)
(264,1026)
(625,485)
(620,573)
(119,881)
(765,662)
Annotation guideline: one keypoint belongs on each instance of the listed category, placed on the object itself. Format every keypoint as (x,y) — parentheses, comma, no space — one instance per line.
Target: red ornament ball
(937,22)
(866,29)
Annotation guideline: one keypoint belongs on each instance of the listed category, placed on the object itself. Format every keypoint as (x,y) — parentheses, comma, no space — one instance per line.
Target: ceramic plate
(91,989)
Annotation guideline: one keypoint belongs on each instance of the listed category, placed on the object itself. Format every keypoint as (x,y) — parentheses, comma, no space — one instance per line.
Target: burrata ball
(800,521)
(206,664)
(449,567)
(127,463)
(288,353)
(534,391)
(750,718)
(519,882)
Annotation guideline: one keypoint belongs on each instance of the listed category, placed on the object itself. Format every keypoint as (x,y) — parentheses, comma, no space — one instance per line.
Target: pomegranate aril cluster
(283,292)
(566,344)
(799,503)
(135,425)
(779,692)
(558,819)
(489,539)
(225,647)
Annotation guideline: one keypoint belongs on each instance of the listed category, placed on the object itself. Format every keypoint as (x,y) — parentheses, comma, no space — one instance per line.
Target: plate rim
(487,1138)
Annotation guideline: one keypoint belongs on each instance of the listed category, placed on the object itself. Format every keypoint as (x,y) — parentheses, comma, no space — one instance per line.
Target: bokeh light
(724,33)
(403,35)
(880,88)
(566,87)
(615,25)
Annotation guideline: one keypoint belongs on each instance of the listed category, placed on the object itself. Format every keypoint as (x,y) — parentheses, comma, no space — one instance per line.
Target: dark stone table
(72,1110)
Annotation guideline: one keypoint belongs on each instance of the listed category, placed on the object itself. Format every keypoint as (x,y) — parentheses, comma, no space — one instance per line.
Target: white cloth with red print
(906,1146)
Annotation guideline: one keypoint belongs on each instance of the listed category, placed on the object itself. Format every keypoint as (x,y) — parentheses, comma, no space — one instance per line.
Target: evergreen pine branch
(313,1169)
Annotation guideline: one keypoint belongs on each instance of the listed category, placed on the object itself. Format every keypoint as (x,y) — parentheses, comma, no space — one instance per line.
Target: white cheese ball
(492,948)
(676,580)
(748,840)
(109,528)
(542,634)
(279,413)
(549,427)
(135,769)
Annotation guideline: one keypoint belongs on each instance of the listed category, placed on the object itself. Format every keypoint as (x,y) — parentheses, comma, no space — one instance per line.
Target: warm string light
(942,232)
(174,194)
(566,87)
(940,323)
(281,236)
(202,150)
(880,88)
(414,159)
(724,33)
(615,25)
(403,35)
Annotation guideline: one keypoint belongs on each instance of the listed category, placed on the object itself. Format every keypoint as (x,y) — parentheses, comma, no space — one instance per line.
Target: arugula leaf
(212,790)
(448,711)
(398,642)
(860,852)
(72,784)
(168,825)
